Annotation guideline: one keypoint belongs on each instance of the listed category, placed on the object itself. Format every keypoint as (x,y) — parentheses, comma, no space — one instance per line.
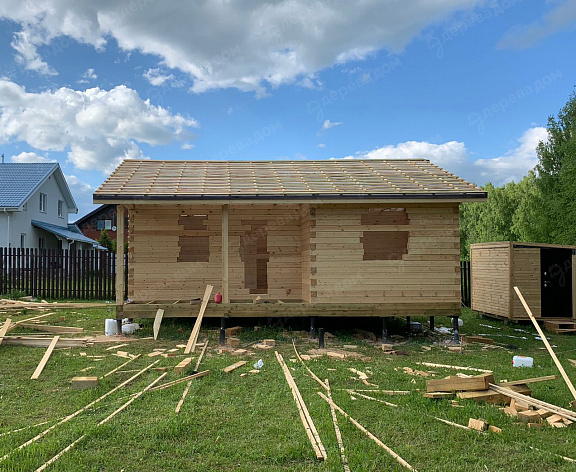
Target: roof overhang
(290,199)
(64,233)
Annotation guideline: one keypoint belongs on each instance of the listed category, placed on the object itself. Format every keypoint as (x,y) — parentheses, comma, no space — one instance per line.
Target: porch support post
(120,241)
(225,294)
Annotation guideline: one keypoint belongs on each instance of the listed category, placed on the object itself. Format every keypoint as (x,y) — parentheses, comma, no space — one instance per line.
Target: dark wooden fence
(465,282)
(59,274)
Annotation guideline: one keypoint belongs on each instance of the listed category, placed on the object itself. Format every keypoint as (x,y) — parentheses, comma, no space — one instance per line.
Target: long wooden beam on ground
(45,358)
(568,414)
(307,422)
(120,366)
(17,323)
(527,381)
(77,412)
(52,329)
(45,342)
(189,384)
(105,420)
(456,367)
(368,433)
(183,379)
(314,376)
(4,329)
(546,343)
(367,397)
(191,345)
(337,431)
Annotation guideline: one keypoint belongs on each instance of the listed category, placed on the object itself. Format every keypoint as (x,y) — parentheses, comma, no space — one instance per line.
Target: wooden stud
(191,345)
(183,379)
(303,411)
(189,384)
(4,329)
(45,358)
(120,366)
(478,382)
(77,412)
(343,457)
(234,366)
(157,322)
(368,433)
(52,329)
(225,255)
(546,343)
(314,376)
(120,240)
(183,365)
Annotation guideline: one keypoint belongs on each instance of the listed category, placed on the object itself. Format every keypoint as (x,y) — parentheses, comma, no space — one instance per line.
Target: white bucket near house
(110,327)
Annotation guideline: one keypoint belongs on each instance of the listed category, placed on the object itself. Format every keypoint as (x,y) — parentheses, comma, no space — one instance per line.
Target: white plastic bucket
(110,327)
(129,328)
(522,361)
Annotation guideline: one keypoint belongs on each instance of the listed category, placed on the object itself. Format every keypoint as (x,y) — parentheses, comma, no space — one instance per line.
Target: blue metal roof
(70,232)
(19,181)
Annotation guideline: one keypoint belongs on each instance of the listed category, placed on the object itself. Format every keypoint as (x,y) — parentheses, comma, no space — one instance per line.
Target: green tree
(556,177)
(106,242)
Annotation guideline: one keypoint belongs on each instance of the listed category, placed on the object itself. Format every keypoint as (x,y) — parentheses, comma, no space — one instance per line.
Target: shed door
(556,282)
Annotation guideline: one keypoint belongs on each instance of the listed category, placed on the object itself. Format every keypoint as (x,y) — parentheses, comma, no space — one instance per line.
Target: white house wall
(20,221)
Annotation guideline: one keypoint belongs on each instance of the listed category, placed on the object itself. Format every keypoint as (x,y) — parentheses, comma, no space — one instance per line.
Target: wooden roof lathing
(283,180)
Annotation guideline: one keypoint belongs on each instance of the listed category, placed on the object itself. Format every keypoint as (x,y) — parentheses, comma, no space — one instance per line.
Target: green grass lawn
(251,423)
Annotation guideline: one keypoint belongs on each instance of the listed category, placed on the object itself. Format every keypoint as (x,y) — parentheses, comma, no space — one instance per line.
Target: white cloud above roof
(98,128)
(251,46)
(30,157)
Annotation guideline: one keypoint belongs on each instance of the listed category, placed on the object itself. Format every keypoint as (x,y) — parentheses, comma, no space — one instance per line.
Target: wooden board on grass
(191,345)
(476,382)
(45,358)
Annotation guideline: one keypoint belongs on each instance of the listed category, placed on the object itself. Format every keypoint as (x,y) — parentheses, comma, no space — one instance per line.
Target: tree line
(541,208)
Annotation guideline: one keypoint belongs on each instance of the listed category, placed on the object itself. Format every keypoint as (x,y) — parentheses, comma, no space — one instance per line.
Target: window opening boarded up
(389,244)
(194,245)
(254,254)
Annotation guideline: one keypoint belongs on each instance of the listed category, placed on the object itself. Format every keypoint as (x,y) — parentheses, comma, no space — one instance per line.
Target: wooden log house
(309,238)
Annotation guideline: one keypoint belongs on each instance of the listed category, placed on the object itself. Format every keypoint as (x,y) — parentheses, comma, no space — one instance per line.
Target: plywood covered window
(254,254)
(194,244)
(390,243)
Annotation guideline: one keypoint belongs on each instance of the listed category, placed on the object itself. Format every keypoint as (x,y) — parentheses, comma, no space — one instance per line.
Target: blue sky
(468,84)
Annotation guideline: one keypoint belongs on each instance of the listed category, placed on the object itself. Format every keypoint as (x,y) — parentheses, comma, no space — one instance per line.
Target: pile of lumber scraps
(445,388)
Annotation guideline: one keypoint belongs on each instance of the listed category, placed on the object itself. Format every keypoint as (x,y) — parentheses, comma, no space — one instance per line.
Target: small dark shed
(542,272)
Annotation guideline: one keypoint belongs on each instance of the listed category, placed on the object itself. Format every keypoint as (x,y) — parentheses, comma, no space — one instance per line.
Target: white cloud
(515,163)
(97,127)
(330,124)
(321,145)
(25,44)
(187,146)
(453,156)
(561,17)
(82,193)
(89,74)
(156,77)
(448,155)
(30,157)
(249,46)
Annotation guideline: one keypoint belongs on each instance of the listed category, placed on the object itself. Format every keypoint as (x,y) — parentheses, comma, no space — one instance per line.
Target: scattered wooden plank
(189,384)
(233,342)
(305,417)
(234,366)
(478,425)
(314,376)
(105,420)
(233,331)
(45,358)
(477,382)
(439,395)
(157,322)
(368,433)
(445,366)
(81,383)
(4,329)
(183,365)
(527,381)
(572,361)
(478,340)
(492,397)
(77,412)
(183,379)
(451,423)
(546,343)
(269,342)
(337,431)
(111,348)
(45,342)
(529,416)
(52,329)
(119,367)
(494,429)
(367,397)
(14,325)
(568,414)
(191,345)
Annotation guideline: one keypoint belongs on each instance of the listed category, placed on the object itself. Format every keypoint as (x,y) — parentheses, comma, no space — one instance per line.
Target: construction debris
(45,358)
(449,384)
(478,425)
(183,365)
(234,366)
(191,345)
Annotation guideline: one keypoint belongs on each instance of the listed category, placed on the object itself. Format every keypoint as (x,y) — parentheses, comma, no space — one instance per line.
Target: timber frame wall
(496,268)
(331,259)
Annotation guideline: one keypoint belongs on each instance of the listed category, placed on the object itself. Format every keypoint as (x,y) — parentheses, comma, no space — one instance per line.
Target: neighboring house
(103,217)
(326,238)
(35,202)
